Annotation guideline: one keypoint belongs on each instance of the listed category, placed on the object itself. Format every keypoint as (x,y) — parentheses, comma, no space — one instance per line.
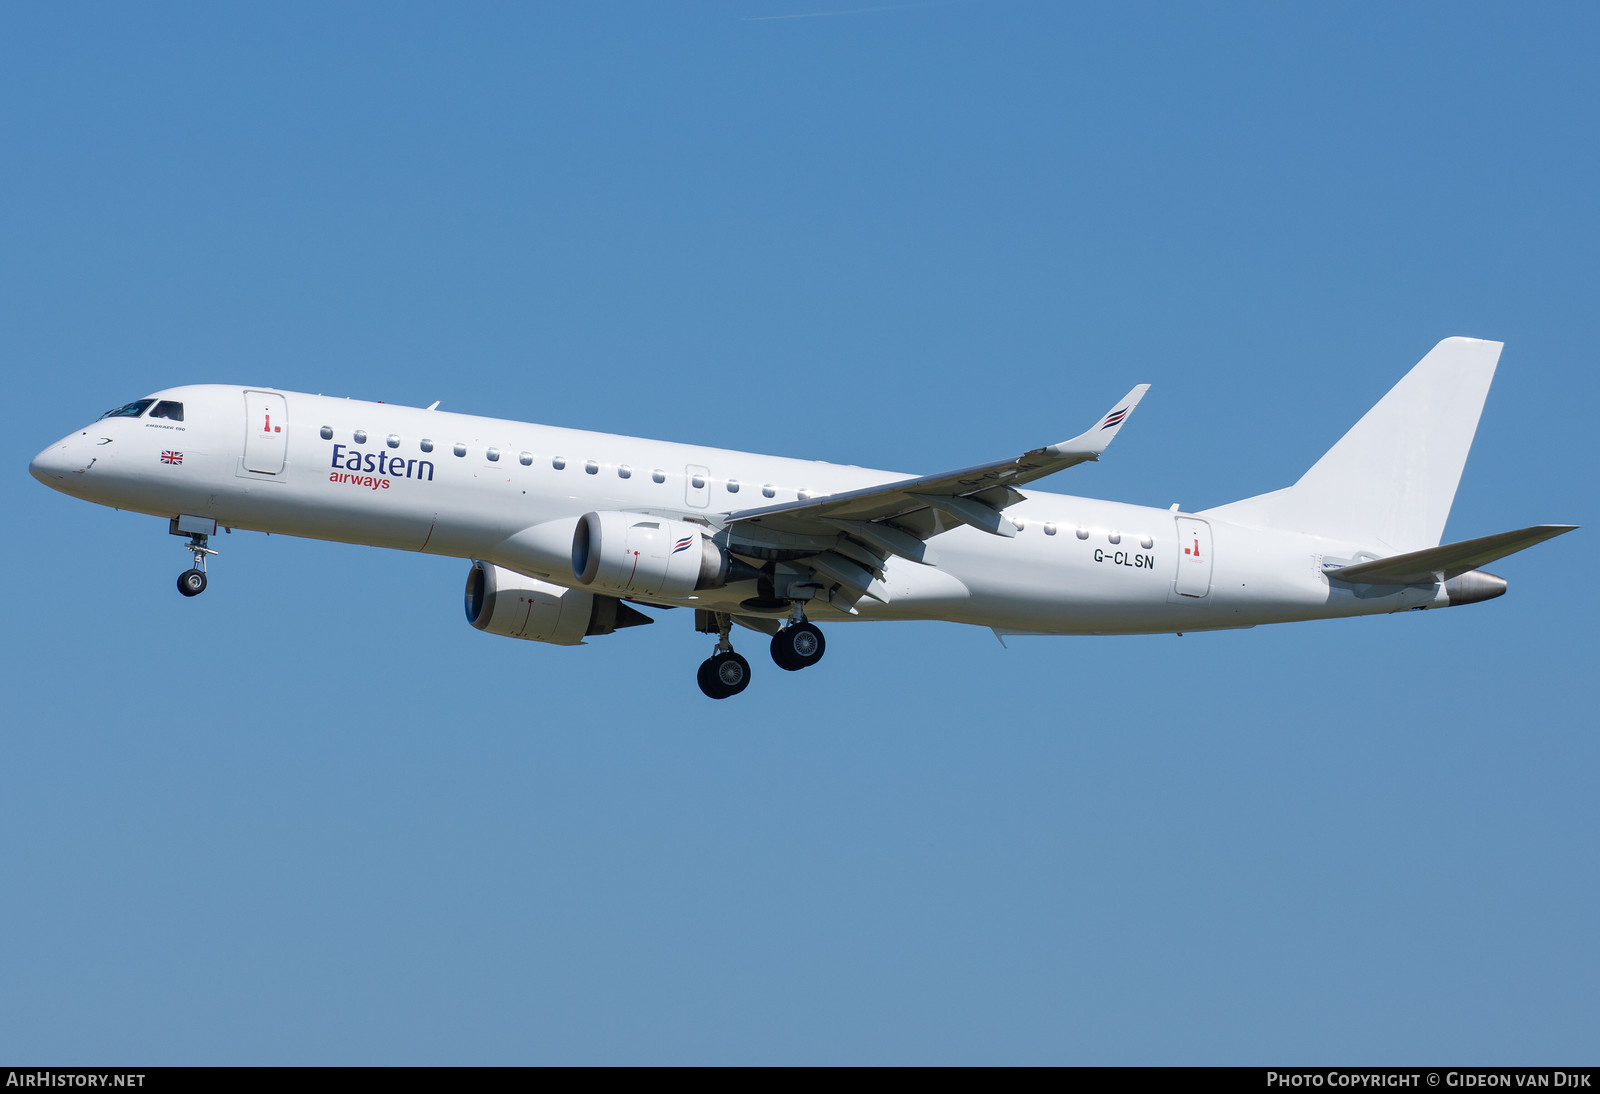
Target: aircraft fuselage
(459,485)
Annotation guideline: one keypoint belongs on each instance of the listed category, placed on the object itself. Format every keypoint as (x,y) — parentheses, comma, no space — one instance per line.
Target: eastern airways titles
(380,462)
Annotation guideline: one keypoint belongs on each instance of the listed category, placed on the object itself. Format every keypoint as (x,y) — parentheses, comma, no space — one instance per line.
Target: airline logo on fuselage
(375,470)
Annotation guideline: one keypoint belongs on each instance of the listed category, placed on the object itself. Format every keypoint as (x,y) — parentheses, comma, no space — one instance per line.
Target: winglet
(1090,444)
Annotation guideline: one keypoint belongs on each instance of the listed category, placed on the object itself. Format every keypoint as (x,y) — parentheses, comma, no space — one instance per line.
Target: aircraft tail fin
(1391,479)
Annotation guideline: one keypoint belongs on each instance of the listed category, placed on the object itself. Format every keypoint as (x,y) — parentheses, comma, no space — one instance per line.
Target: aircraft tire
(798,646)
(192,582)
(724,675)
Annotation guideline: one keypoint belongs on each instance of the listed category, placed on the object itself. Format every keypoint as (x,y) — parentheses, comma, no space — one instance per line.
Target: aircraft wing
(897,517)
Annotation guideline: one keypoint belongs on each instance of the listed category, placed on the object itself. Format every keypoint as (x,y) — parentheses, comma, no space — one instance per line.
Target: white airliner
(567,529)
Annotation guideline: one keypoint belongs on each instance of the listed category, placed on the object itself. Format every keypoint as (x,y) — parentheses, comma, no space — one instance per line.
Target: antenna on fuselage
(434,405)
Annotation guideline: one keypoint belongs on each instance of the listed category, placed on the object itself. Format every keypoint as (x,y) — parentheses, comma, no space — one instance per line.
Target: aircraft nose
(54,464)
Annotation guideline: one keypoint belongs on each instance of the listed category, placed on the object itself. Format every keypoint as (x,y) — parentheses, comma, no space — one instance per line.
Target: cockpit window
(132,410)
(167,409)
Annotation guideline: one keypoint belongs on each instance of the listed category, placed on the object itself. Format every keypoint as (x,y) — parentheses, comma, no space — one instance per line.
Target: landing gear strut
(724,673)
(798,645)
(192,582)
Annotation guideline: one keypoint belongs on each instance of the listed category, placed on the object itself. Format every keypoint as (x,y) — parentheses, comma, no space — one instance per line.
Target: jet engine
(501,601)
(633,554)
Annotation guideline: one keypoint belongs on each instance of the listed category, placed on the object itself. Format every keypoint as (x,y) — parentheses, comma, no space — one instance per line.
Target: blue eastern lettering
(349,459)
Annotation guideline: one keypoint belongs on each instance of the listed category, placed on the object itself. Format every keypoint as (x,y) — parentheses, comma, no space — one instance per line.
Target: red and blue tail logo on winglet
(683,544)
(1114,418)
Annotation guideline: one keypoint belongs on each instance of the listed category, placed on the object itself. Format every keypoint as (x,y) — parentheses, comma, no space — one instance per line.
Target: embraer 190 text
(568,530)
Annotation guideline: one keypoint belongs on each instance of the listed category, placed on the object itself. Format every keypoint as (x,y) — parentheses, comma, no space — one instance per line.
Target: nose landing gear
(192,582)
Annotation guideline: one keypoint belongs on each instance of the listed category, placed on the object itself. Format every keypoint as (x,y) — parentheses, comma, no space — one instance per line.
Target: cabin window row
(590,467)
(1113,537)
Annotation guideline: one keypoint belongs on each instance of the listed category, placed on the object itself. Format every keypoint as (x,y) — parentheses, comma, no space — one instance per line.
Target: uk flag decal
(169,456)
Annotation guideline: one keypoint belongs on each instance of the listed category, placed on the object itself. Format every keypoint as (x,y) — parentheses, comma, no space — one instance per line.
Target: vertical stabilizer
(1391,479)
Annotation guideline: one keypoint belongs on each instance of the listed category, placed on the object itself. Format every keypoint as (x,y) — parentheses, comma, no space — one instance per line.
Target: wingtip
(1089,444)
(1119,413)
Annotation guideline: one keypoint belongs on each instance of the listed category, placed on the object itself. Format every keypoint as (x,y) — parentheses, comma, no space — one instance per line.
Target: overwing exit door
(697,486)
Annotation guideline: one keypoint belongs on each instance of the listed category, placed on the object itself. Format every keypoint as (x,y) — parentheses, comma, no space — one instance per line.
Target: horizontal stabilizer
(1447,561)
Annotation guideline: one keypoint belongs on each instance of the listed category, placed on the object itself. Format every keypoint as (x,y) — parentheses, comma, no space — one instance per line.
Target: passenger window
(698,482)
(526,459)
(361,436)
(460,450)
(559,463)
(169,410)
(624,472)
(327,432)
(426,445)
(733,486)
(1113,537)
(393,441)
(769,491)
(658,475)
(591,468)
(132,410)
(1049,528)
(1083,533)
(494,455)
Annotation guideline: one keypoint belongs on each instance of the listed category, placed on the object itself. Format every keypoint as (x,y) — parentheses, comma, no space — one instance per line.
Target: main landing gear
(724,673)
(798,645)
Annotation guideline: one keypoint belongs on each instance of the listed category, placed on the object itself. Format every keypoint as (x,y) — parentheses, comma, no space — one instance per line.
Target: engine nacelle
(638,555)
(501,601)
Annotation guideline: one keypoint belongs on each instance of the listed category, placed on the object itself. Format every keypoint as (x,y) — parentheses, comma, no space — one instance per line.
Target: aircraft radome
(569,532)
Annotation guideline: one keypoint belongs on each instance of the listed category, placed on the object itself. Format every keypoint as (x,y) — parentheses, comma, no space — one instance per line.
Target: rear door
(1194,557)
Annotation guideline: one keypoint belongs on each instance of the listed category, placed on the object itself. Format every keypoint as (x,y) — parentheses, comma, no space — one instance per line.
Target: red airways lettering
(368,481)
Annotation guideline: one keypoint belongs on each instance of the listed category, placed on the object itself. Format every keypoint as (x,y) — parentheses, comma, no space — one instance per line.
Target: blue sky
(313,817)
